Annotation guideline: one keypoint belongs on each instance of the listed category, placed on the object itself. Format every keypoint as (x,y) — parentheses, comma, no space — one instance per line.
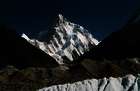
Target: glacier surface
(127,83)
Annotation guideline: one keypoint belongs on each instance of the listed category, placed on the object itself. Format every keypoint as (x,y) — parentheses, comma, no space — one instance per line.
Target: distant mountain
(116,55)
(124,43)
(65,42)
(17,51)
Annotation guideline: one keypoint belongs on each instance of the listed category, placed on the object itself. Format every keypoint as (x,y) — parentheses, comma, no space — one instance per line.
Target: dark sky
(100,17)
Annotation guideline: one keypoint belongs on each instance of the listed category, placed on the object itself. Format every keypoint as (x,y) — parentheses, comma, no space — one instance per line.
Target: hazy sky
(100,17)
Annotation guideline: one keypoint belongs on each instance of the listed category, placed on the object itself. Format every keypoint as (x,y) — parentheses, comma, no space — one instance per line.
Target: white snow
(25,36)
(67,37)
(127,83)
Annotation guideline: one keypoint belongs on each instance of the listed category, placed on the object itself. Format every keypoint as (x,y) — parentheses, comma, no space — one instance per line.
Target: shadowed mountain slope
(18,52)
(121,44)
(118,54)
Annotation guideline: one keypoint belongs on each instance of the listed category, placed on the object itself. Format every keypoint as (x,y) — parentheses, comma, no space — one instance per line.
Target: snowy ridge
(127,83)
(68,41)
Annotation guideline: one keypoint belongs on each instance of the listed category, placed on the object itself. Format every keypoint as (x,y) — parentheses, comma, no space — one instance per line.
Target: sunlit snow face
(66,38)
(25,37)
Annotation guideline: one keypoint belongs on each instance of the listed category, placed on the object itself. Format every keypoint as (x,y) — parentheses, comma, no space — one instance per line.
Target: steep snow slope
(127,83)
(67,41)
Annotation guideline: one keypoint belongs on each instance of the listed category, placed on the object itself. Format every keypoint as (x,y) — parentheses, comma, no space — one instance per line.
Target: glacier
(67,41)
(126,83)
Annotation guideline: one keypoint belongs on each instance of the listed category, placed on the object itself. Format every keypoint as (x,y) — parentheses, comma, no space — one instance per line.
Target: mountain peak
(67,42)
(60,17)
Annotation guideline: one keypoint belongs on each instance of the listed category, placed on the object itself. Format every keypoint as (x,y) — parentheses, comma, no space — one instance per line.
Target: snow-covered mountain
(67,41)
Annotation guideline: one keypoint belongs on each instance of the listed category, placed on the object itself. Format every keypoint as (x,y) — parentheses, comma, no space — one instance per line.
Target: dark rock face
(17,51)
(33,78)
(111,68)
(121,44)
